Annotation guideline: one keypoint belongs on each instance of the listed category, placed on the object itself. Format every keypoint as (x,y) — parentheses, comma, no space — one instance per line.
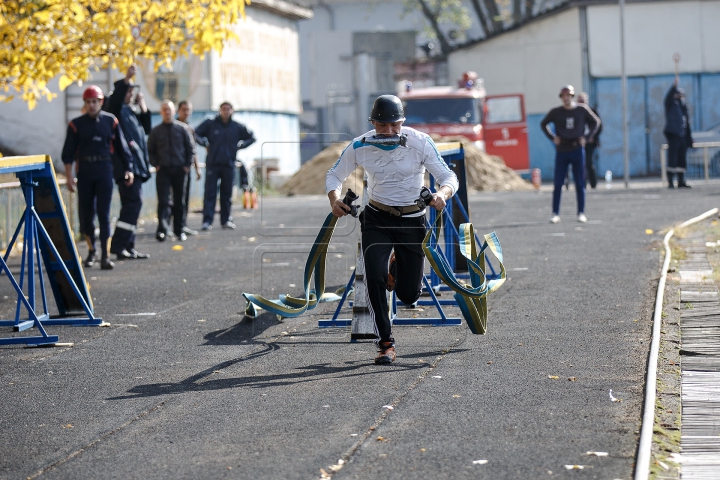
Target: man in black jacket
(677,132)
(172,150)
(128,105)
(91,140)
(591,145)
(224,138)
(569,138)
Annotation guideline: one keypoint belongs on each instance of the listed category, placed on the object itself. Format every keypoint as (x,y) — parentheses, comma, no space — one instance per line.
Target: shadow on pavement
(300,375)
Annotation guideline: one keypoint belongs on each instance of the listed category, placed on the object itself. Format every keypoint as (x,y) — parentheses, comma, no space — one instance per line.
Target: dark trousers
(95,189)
(126,225)
(166,179)
(590,174)
(576,158)
(188,181)
(677,154)
(225,174)
(381,232)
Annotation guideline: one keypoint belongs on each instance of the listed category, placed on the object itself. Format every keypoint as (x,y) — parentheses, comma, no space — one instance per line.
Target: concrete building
(578,43)
(348,56)
(259,75)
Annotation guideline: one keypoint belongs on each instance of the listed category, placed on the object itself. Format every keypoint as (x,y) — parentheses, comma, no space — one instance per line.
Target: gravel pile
(486,173)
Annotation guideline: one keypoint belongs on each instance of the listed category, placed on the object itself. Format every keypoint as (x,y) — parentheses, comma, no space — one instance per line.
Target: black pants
(126,225)
(381,232)
(166,179)
(95,189)
(677,153)
(590,174)
(188,181)
(225,174)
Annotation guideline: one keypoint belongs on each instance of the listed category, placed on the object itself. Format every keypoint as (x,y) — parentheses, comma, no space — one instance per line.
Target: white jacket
(395,173)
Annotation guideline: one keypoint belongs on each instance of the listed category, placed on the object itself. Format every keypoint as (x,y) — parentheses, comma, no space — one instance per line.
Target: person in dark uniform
(569,137)
(184,113)
(224,138)
(128,105)
(172,150)
(677,132)
(91,141)
(395,159)
(590,145)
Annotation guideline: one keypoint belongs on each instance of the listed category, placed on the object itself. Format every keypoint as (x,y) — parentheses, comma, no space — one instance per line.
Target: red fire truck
(496,123)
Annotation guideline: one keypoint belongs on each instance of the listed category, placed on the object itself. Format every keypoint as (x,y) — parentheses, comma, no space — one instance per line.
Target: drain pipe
(642,465)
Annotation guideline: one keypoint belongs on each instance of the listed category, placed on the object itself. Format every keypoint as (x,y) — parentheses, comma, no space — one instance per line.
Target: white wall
(653,33)
(260,71)
(37,132)
(535,60)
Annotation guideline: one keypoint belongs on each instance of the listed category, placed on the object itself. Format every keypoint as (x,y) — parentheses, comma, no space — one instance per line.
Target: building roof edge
(290,10)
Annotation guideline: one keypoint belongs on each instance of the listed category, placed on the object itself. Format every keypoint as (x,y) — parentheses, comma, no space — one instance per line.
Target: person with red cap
(569,138)
(91,140)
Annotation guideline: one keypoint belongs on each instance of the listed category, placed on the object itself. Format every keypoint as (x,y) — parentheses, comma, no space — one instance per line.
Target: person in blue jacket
(224,138)
(91,141)
(128,105)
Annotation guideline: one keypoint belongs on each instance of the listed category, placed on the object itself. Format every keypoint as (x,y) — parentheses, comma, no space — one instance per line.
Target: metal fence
(703,161)
(12,205)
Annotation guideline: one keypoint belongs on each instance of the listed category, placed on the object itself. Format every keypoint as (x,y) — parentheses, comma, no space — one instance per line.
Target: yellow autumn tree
(44,39)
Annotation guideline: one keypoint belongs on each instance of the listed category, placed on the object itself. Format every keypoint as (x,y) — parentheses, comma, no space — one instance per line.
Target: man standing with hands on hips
(569,138)
(395,159)
(224,137)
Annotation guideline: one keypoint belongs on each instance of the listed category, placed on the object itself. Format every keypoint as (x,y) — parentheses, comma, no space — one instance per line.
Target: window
(442,110)
(503,110)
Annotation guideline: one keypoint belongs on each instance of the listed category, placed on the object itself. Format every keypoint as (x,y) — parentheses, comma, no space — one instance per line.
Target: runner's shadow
(207,380)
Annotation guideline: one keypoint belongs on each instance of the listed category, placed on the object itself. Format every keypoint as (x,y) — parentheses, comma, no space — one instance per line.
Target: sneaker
(386,355)
(582,218)
(206,227)
(683,185)
(106,264)
(229,225)
(555,219)
(139,255)
(189,231)
(182,237)
(91,259)
(160,236)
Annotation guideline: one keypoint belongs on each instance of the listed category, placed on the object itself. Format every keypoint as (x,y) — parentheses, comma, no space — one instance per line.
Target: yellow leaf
(65,82)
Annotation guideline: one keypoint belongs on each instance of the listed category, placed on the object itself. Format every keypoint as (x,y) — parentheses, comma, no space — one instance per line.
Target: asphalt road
(182,386)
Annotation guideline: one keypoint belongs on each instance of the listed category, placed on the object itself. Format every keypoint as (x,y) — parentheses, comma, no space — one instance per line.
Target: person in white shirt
(395,159)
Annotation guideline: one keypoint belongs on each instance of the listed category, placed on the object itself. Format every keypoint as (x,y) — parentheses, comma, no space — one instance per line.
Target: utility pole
(623,79)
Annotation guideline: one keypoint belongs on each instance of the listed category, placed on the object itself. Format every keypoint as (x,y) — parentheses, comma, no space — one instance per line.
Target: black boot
(670,180)
(681,181)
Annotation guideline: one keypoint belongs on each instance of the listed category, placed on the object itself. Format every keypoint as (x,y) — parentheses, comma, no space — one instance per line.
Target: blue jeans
(225,174)
(576,158)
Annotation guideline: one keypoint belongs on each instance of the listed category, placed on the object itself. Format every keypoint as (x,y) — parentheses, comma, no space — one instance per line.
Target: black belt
(396,211)
(95,158)
(569,143)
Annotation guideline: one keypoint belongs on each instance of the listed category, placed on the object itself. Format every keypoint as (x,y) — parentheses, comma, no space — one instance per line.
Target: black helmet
(387,109)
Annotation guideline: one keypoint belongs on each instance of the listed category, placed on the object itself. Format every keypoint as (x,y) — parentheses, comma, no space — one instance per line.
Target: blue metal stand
(62,267)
